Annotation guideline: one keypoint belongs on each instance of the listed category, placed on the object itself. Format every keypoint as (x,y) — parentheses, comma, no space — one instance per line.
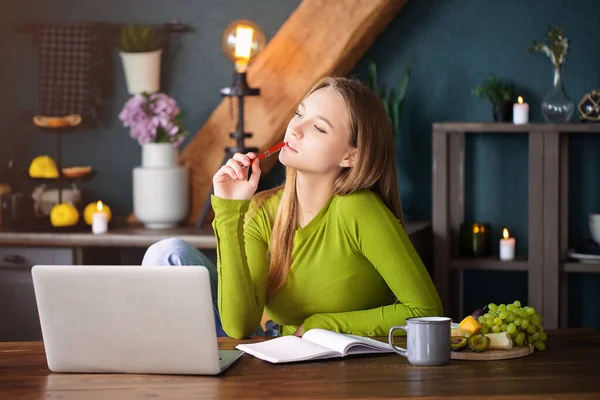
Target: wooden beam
(320,38)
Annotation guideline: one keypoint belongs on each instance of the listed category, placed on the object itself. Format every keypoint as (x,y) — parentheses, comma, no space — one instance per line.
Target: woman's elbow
(427,312)
(237,331)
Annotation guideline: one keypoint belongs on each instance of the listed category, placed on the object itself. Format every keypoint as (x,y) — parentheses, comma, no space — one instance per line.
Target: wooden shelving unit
(489,263)
(548,213)
(570,266)
(62,181)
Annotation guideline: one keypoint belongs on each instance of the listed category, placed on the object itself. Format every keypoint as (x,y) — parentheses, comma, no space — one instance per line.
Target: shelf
(507,127)
(489,264)
(64,179)
(548,205)
(575,266)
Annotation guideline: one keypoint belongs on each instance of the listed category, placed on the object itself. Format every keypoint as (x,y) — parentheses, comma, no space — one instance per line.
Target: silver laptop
(128,319)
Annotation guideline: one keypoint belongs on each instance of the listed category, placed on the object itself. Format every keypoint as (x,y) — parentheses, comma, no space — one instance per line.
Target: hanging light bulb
(242,41)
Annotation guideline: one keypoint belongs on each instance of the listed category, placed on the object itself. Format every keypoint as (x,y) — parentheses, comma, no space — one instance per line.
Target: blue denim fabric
(179,252)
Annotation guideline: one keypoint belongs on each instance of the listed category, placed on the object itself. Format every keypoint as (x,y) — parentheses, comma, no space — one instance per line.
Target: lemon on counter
(43,167)
(64,214)
(92,208)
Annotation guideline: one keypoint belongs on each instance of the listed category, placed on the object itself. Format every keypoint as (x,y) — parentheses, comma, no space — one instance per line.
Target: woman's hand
(231,180)
(300,331)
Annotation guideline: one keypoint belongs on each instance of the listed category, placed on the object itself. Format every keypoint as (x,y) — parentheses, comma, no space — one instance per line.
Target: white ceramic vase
(160,187)
(142,71)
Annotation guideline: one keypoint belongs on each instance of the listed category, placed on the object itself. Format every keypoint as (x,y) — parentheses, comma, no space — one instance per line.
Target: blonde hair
(374,169)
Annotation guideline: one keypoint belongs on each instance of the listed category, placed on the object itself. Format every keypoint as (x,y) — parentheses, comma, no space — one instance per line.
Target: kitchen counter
(136,236)
(119,236)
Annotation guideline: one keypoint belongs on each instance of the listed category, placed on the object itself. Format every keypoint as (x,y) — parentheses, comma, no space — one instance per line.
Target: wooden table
(568,369)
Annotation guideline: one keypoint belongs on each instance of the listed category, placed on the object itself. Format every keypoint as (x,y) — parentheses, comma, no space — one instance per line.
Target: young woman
(325,250)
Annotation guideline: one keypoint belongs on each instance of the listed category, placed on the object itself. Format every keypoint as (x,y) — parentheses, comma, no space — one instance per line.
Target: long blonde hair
(374,169)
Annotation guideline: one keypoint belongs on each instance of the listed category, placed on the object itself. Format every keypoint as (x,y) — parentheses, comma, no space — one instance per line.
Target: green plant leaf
(140,39)
(393,102)
(494,89)
(373,75)
(179,118)
(403,87)
(396,120)
(161,136)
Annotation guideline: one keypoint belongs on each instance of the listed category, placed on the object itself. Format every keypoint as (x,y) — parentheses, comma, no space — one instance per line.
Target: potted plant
(160,185)
(393,101)
(141,50)
(500,94)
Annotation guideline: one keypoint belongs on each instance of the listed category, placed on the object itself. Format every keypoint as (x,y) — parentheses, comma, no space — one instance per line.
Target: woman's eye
(297,114)
(319,129)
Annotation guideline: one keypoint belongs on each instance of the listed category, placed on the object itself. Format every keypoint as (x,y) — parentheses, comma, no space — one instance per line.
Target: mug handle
(397,349)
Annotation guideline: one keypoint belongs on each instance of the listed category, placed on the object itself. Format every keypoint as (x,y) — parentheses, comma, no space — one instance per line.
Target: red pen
(268,153)
(271,151)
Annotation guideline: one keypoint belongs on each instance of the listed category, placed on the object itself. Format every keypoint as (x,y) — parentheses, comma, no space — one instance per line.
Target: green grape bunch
(523,324)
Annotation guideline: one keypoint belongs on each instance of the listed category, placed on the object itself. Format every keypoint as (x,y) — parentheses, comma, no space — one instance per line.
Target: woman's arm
(380,237)
(242,265)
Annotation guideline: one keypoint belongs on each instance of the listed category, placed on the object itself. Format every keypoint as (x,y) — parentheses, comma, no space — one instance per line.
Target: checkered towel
(74,71)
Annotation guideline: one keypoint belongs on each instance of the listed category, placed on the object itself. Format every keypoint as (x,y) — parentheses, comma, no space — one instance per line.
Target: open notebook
(314,345)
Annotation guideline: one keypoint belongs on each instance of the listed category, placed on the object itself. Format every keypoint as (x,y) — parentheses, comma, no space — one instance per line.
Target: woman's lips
(287,146)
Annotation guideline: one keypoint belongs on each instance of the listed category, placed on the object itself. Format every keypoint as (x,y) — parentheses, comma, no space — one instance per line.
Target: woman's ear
(349,160)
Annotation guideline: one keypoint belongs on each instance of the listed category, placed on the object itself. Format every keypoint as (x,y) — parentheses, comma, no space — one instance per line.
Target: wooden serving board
(515,352)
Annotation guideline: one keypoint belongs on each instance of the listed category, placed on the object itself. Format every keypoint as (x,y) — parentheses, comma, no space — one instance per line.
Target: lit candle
(520,112)
(507,247)
(99,219)
(475,239)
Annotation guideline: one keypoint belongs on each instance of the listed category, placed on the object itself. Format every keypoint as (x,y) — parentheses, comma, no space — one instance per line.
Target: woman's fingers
(229,171)
(242,159)
(235,165)
(254,178)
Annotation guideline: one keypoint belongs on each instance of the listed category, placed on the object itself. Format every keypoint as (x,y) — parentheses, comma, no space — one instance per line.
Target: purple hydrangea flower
(152,118)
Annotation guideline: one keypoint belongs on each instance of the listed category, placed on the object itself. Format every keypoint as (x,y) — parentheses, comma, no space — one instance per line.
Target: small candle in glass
(475,239)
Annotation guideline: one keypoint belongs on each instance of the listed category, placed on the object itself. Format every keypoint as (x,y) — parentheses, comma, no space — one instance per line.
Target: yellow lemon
(92,208)
(64,214)
(43,167)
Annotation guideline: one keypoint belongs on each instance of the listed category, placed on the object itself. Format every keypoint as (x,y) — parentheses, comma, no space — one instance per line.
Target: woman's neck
(313,191)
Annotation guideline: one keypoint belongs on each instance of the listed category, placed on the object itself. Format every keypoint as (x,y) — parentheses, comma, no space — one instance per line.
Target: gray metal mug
(427,340)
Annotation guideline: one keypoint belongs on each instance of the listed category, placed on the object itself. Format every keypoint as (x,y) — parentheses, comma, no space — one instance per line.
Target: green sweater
(354,269)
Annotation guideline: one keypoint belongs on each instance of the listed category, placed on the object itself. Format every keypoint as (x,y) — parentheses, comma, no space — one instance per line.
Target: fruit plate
(515,352)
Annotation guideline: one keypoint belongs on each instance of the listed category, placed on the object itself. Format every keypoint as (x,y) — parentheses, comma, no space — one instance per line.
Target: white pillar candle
(99,220)
(520,112)
(507,247)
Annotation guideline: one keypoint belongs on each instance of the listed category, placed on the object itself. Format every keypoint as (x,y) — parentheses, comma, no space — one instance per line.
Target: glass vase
(556,106)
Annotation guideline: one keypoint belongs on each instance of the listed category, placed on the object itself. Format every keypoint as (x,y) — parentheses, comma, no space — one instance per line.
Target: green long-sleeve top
(354,269)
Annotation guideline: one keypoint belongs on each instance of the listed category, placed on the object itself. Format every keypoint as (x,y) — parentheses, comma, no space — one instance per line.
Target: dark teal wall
(455,45)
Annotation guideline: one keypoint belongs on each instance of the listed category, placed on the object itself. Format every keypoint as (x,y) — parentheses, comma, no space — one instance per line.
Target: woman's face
(318,137)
